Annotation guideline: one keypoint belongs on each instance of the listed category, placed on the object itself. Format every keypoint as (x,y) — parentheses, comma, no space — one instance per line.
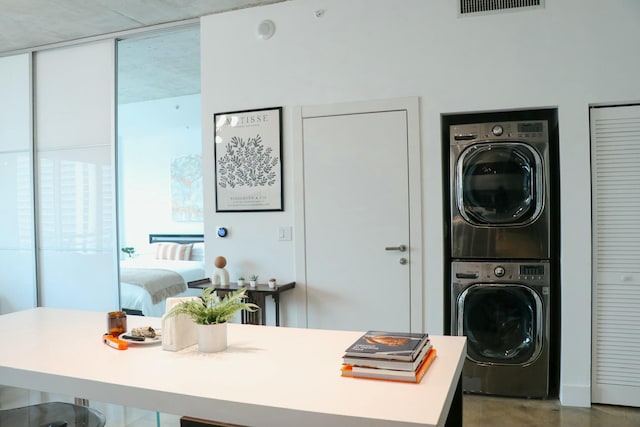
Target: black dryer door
(499,184)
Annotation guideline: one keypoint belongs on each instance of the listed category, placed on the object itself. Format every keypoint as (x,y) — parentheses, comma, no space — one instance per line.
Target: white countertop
(268,376)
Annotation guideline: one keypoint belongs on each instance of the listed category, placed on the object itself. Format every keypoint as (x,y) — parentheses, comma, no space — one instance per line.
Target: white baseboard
(575,395)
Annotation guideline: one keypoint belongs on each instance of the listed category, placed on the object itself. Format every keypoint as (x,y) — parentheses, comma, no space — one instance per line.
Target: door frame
(411,105)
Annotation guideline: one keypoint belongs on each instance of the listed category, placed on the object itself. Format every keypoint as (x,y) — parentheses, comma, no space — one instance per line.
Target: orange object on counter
(114,342)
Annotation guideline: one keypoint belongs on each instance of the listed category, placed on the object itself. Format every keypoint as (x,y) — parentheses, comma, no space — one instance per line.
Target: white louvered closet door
(615,145)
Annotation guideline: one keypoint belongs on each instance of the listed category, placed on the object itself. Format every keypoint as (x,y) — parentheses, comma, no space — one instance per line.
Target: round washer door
(502,323)
(499,184)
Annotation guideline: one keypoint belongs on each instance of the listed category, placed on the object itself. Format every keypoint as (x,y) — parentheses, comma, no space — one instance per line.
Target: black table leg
(276,300)
(454,419)
(257,317)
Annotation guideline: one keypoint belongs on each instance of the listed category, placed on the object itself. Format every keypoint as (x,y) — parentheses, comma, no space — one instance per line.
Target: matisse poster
(248,160)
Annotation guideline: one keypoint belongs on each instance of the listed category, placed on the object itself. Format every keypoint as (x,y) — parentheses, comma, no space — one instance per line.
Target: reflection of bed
(162,271)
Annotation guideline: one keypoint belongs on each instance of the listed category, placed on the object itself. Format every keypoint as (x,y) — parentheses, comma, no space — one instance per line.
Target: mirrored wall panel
(159,147)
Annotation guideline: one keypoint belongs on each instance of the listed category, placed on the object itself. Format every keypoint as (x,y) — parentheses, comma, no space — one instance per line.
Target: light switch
(284,233)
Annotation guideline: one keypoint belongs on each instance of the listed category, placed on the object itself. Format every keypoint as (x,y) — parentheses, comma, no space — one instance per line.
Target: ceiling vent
(484,6)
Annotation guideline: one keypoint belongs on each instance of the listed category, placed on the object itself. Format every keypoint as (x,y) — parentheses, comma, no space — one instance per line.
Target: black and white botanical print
(248,160)
(247,163)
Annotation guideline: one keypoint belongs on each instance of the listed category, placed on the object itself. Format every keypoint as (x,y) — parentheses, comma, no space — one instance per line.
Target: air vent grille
(481,6)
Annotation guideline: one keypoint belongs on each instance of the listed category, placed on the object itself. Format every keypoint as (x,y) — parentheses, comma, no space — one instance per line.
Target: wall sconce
(266,29)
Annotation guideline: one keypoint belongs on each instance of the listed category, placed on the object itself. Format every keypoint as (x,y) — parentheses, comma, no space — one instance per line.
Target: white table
(268,376)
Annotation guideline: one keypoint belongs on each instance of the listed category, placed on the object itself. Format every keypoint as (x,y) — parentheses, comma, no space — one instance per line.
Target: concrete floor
(489,411)
(478,411)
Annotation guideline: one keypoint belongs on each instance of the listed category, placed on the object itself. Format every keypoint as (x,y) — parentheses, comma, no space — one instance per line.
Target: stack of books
(389,356)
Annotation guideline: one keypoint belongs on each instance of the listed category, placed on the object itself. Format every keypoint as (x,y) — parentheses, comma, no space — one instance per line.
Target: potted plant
(211,313)
(240,281)
(129,251)
(272,282)
(253,281)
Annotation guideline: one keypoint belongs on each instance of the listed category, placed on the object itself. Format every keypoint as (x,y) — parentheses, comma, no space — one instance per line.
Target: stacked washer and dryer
(501,255)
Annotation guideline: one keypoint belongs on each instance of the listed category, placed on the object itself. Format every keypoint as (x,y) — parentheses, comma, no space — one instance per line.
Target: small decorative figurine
(221,275)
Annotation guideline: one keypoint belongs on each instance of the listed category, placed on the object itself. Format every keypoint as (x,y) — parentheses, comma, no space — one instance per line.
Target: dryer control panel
(532,131)
(497,271)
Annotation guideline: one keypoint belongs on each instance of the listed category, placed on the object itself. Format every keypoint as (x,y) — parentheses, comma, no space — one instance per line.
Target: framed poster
(248,157)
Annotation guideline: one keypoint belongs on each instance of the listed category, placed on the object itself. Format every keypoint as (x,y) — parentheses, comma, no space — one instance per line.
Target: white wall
(151,135)
(568,55)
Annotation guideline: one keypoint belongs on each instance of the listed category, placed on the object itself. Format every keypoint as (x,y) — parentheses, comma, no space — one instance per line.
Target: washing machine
(503,308)
(500,190)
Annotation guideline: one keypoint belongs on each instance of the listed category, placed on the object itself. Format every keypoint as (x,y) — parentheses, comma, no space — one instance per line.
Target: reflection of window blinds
(46,207)
(76,205)
(107,227)
(24,199)
(72,204)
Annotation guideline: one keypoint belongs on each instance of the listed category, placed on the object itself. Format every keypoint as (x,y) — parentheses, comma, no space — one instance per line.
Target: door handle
(400,248)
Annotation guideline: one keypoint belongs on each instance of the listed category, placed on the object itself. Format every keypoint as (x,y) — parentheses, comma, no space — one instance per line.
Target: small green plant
(129,251)
(241,278)
(210,309)
(254,278)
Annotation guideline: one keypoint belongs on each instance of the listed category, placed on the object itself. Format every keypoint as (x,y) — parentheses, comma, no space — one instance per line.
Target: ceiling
(27,24)
(157,67)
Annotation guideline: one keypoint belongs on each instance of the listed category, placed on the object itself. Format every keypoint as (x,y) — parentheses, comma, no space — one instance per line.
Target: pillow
(173,251)
(197,252)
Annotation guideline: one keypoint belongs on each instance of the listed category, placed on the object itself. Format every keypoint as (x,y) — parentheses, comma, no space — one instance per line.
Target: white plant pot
(272,284)
(212,338)
(240,283)
(252,283)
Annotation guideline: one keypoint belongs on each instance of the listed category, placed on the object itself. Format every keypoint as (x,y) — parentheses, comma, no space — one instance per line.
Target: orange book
(391,375)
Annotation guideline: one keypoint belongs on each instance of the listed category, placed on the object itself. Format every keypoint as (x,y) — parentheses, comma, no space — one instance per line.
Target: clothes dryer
(500,190)
(503,308)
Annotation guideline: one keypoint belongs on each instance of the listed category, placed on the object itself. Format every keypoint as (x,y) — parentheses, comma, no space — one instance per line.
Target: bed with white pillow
(161,271)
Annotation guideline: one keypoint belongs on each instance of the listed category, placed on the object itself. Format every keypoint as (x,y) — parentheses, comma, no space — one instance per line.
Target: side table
(256,295)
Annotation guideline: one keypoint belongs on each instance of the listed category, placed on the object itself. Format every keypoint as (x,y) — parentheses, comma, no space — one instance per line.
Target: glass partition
(75,200)
(159,164)
(17,246)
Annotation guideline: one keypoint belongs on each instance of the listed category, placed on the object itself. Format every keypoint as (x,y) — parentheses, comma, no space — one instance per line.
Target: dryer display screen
(530,127)
(532,270)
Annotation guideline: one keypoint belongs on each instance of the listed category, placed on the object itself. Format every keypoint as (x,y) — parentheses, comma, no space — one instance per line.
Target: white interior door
(357,216)
(615,138)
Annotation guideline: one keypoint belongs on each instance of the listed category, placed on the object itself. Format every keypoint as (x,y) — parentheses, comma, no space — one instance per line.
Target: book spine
(388,364)
(373,374)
